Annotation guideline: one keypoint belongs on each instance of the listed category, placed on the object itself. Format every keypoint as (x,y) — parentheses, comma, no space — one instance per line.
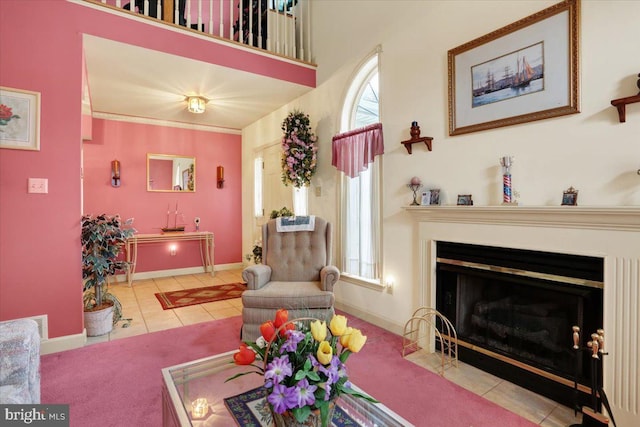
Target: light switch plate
(38,185)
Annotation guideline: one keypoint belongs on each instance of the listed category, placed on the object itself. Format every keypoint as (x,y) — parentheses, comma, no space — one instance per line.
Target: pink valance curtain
(352,151)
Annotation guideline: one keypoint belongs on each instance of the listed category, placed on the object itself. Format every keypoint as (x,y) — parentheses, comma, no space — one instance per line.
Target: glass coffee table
(205,378)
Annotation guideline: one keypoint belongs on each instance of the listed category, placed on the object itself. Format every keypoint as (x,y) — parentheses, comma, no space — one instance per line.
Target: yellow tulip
(356,341)
(338,325)
(325,353)
(344,339)
(318,330)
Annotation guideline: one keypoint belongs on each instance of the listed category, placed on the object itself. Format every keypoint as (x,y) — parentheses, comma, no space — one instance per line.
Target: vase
(287,419)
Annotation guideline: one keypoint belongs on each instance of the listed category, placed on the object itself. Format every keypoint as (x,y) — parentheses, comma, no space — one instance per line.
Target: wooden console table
(204,237)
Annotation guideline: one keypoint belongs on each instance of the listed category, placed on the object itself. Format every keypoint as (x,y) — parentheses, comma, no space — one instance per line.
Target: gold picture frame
(19,119)
(492,84)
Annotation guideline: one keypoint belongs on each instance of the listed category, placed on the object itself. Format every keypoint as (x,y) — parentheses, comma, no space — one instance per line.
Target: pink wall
(40,271)
(218,209)
(40,266)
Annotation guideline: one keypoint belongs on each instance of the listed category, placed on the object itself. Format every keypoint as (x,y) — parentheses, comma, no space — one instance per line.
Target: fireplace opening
(514,310)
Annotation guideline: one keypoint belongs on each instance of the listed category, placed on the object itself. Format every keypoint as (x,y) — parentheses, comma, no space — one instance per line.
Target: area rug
(185,297)
(118,383)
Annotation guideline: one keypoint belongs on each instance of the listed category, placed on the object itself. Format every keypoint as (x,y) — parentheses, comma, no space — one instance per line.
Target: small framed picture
(570,197)
(465,200)
(426,198)
(435,196)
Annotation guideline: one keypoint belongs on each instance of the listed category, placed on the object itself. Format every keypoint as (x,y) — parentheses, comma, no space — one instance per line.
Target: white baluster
(276,33)
(199,15)
(309,31)
(188,13)
(145,7)
(230,19)
(211,16)
(260,24)
(176,12)
(117,3)
(300,20)
(250,41)
(221,33)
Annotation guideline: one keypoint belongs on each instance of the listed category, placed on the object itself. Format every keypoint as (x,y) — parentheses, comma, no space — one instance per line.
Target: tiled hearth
(609,233)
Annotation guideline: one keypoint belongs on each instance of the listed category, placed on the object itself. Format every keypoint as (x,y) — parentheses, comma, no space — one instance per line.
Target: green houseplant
(102,239)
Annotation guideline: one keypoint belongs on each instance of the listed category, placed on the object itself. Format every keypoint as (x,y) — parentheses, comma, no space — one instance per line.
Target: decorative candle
(415,180)
(220,173)
(199,408)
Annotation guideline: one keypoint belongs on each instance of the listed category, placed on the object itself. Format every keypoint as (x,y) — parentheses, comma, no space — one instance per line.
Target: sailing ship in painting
(509,76)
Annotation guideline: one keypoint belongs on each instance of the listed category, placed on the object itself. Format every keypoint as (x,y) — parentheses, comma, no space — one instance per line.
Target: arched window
(360,232)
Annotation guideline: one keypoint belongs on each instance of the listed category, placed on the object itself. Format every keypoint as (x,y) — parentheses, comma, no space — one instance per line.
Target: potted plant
(102,239)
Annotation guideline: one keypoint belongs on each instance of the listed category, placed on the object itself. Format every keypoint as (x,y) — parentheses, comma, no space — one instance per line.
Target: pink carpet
(118,383)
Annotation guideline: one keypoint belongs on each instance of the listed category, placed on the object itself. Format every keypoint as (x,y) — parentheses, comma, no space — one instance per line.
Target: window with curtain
(360,232)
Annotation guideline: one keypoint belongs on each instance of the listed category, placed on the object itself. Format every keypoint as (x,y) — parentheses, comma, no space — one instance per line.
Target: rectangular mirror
(171,173)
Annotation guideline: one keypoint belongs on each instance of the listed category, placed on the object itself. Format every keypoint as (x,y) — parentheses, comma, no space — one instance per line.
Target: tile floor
(140,304)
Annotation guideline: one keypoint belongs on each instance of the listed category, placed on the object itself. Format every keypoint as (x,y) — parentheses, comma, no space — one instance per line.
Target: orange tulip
(244,356)
(287,327)
(282,316)
(268,330)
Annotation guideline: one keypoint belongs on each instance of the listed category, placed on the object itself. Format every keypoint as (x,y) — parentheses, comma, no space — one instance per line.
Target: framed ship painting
(523,72)
(19,119)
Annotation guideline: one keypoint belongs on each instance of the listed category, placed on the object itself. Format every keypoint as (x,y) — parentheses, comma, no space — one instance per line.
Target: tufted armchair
(296,275)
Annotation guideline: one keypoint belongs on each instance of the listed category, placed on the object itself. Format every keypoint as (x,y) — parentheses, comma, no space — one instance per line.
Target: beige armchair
(295,274)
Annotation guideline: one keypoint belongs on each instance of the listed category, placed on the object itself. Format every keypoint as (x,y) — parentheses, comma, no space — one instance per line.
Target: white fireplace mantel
(621,218)
(610,232)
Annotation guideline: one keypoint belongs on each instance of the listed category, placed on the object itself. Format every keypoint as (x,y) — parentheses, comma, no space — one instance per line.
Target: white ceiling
(127,80)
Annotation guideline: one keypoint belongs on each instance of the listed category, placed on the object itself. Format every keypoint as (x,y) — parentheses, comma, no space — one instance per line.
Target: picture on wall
(523,72)
(19,119)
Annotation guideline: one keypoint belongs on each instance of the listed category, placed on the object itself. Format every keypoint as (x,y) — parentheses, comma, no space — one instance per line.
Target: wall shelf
(408,143)
(621,105)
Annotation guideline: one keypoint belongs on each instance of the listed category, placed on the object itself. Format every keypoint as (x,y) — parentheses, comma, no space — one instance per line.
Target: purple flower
(293,338)
(278,369)
(304,393)
(283,398)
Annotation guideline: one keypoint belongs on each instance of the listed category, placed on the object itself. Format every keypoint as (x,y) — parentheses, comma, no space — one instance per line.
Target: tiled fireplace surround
(612,233)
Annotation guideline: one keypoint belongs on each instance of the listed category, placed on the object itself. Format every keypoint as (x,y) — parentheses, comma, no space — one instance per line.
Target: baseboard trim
(67,342)
(145,275)
(368,317)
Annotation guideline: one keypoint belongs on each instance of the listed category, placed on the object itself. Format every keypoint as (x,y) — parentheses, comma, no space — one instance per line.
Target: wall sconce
(220,176)
(172,250)
(196,104)
(115,173)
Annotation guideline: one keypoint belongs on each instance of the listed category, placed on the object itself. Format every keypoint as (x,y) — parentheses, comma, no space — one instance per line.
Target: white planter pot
(98,322)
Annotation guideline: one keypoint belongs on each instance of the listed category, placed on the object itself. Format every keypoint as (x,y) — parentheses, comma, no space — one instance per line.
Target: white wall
(591,151)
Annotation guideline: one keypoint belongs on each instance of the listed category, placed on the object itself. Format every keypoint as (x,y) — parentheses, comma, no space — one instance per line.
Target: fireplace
(606,233)
(514,310)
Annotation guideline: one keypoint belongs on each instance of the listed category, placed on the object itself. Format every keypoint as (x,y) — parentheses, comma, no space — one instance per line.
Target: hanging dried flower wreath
(298,150)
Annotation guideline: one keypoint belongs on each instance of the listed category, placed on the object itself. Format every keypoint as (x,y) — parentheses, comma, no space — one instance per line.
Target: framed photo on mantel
(523,72)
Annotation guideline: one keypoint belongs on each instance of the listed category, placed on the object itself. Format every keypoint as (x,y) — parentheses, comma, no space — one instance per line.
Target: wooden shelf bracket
(621,105)
(426,139)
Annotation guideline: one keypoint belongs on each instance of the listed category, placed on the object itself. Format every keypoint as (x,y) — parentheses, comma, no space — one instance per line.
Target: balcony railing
(278,26)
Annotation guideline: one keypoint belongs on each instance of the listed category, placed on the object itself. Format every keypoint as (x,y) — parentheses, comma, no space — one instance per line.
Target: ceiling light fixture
(196,104)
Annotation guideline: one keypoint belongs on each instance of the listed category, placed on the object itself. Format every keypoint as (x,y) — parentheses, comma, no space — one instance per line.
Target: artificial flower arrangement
(298,150)
(303,364)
